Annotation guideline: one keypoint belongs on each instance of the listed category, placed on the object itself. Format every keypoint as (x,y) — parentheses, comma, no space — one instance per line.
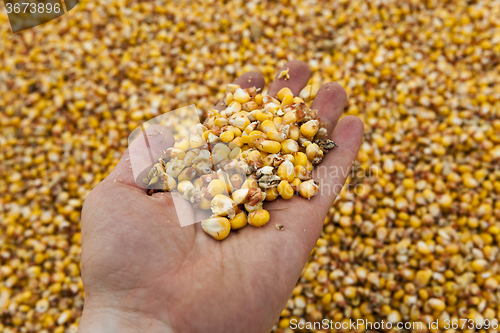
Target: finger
(336,166)
(298,76)
(246,80)
(330,102)
(140,156)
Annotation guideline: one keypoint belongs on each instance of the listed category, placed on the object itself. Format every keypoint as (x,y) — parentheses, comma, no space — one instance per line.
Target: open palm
(142,272)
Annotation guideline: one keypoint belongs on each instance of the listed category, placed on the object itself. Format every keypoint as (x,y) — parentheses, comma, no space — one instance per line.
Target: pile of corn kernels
(413,237)
(256,149)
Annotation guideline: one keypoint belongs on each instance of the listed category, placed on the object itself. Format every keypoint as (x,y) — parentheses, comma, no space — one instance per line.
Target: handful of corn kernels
(258,149)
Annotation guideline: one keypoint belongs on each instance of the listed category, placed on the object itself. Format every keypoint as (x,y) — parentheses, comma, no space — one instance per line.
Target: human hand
(143,274)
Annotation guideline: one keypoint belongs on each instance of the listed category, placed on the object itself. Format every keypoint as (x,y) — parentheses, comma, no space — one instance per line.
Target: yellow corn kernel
(198,183)
(269,146)
(205,136)
(306,93)
(188,159)
(263,116)
(196,141)
(237,180)
(187,174)
(294,132)
(267,125)
(436,304)
(235,152)
(231,88)
(228,98)
(309,166)
(284,92)
(241,96)
(184,186)
(258,218)
(239,221)
(255,137)
(252,208)
(289,146)
(277,121)
(289,157)
(236,131)
(310,128)
(286,171)
(295,184)
(302,173)
(170,182)
(221,147)
(215,187)
(222,205)
(276,136)
(297,99)
(290,117)
(233,108)
(176,153)
(240,196)
(272,194)
(272,107)
(254,158)
(308,189)
(217,227)
(218,156)
(314,153)
(300,159)
(221,122)
(287,100)
(236,142)
(250,183)
(285,190)
(227,136)
(249,106)
(182,144)
(259,99)
(251,127)
(205,204)
(240,120)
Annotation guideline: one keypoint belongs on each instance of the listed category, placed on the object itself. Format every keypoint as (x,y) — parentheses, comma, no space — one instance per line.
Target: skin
(144,274)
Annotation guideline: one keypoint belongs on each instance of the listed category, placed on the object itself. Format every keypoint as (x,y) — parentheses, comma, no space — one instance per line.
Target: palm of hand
(136,258)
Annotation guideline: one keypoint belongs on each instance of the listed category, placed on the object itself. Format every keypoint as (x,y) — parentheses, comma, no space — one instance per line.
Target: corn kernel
(310,128)
(286,171)
(308,189)
(270,146)
(227,136)
(258,218)
(272,194)
(285,190)
(239,221)
(290,146)
(217,227)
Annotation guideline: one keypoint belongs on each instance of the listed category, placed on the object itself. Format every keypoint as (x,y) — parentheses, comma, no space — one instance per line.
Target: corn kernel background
(419,242)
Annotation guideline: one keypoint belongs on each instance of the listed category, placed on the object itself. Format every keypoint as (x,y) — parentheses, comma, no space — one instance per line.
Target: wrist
(110,320)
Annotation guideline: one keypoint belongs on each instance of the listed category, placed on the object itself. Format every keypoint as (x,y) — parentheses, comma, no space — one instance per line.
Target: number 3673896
(28,7)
